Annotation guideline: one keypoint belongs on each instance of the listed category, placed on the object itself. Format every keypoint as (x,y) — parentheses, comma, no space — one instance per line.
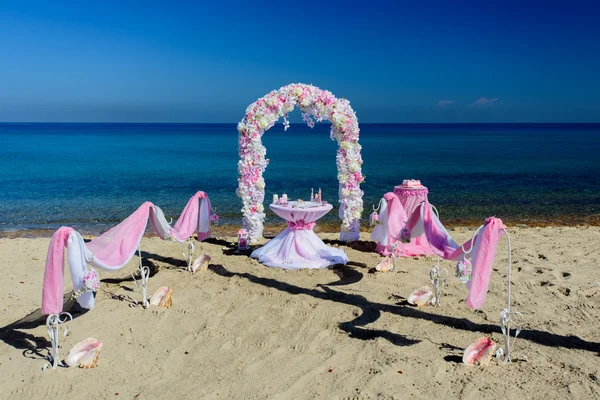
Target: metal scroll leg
(53,323)
(189,257)
(393,247)
(438,279)
(144,273)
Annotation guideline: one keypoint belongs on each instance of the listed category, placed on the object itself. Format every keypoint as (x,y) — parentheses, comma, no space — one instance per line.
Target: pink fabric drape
(483,252)
(113,249)
(483,259)
(410,199)
(117,245)
(52,290)
(188,221)
(396,218)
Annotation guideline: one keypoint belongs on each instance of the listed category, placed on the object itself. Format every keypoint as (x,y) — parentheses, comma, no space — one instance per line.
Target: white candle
(275,199)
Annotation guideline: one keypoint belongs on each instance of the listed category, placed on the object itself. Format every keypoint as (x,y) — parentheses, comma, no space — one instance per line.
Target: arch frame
(314,103)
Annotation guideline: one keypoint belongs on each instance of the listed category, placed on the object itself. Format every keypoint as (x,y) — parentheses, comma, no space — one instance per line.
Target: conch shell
(163,297)
(200,263)
(385,265)
(84,354)
(480,352)
(421,296)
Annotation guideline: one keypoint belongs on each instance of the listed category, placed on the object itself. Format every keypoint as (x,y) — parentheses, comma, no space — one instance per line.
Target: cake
(411,183)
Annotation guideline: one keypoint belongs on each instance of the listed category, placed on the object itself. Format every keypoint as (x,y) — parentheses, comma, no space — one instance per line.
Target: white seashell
(200,263)
(84,354)
(480,352)
(162,297)
(421,296)
(385,265)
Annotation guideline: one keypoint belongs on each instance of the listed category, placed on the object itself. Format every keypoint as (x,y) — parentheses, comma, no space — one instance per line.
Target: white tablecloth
(297,246)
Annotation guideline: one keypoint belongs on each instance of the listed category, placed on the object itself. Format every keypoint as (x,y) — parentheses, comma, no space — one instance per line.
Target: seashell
(163,297)
(385,265)
(200,263)
(421,296)
(84,354)
(480,352)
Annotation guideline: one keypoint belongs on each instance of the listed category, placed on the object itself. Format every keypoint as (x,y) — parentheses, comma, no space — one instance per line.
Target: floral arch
(313,102)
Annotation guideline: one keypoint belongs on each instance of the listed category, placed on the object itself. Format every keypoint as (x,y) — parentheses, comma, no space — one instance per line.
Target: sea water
(91,176)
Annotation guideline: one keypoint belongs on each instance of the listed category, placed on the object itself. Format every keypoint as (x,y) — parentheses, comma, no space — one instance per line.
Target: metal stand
(438,277)
(507,316)
(188,253)
(393,247)
(144,273)
(52,323)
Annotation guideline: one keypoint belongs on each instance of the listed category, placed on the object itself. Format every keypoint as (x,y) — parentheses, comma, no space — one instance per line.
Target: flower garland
(314,103)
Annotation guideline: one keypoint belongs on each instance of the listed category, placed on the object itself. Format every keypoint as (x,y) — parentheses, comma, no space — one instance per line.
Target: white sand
(244,331)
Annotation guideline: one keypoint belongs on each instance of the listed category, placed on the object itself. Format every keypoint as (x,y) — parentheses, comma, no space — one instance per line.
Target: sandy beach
(241,330)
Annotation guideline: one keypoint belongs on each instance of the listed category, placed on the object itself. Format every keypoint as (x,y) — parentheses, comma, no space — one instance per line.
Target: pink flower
(91,281)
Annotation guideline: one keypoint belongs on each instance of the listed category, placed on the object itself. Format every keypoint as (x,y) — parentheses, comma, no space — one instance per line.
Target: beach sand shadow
(348,276)
(36,347)
(359,245)
(354,327)
(371,312)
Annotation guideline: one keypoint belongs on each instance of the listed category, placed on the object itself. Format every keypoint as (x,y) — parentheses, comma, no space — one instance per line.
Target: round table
(297,246)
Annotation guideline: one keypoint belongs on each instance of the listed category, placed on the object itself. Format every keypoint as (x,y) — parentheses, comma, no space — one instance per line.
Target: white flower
(263,123)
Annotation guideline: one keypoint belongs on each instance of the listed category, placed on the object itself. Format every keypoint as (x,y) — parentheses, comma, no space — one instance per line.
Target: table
(297,246)
(410,198)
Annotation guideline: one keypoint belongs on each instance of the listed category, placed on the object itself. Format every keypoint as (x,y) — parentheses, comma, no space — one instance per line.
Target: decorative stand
(393,247)
(507,316)
(438,278)
(189,257)
(144,273)
(52,323)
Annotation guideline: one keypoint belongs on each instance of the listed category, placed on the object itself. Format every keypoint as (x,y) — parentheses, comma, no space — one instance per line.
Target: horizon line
(297,123)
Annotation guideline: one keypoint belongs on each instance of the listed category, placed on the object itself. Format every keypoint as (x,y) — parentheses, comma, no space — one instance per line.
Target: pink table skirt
(409,199)
(297,246)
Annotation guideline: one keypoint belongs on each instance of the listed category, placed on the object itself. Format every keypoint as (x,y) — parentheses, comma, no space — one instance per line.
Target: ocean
(91,176)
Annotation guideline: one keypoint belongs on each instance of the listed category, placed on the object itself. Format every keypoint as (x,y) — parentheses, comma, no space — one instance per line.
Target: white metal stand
(188,253)
(53,323)
(144,273)
(438,277)
(507,316)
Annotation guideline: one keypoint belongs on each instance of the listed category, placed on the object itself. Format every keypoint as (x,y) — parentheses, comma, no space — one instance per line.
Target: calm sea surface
(91,176)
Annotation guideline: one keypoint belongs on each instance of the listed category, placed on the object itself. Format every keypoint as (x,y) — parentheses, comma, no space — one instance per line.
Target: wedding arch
(314,103)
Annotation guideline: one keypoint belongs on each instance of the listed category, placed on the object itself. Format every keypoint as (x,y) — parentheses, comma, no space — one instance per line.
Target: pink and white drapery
(395,209)
(481,249)
(113,249)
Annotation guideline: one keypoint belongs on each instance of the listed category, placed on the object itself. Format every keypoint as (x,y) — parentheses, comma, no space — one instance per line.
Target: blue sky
(155,61)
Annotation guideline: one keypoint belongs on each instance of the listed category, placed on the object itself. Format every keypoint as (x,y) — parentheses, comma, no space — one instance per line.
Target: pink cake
(411,184)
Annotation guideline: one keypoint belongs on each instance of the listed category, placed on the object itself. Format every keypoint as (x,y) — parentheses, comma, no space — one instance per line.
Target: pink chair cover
(113,249)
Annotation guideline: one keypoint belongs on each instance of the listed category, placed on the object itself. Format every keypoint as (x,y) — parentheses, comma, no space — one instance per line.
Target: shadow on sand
(371,312)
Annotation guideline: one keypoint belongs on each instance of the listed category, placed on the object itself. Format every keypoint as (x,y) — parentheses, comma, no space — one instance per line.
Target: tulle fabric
(115,248)
(299,247)
(482,255)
